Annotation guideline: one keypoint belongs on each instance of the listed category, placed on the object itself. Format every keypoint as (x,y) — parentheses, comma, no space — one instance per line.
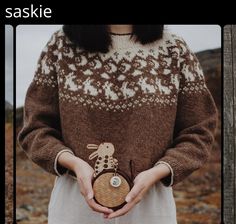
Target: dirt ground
(198,198)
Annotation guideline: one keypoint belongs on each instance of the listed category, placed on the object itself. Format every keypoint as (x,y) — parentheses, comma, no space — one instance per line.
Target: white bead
(115,181)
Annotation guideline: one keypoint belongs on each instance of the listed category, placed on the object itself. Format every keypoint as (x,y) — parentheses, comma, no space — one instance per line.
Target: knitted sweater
(140,104)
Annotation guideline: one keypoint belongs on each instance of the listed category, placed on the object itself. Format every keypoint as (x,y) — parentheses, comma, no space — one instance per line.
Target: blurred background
(8,123)
(197,198)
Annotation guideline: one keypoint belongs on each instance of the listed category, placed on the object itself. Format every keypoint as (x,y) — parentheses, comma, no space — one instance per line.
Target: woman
(132,87)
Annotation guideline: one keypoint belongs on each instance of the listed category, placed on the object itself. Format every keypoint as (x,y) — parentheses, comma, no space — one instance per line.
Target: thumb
(88,189)
(134,192)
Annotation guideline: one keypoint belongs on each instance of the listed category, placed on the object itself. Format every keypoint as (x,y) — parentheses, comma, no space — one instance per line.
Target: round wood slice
(108,196)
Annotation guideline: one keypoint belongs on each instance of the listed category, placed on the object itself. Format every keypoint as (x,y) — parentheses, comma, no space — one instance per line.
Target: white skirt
(67,206)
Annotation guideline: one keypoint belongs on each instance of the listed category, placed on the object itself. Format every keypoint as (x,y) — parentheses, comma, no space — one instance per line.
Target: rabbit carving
(104,153)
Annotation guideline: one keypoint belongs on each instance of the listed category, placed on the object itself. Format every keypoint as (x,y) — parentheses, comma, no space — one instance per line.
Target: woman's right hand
(84,173)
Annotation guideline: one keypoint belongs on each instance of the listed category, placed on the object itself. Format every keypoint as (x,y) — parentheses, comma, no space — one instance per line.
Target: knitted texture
(150,101)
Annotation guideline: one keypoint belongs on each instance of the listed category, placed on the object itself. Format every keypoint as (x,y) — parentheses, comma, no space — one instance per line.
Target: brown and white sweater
(141,104)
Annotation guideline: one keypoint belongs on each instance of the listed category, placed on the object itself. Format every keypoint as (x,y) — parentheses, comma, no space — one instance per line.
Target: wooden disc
(107,195)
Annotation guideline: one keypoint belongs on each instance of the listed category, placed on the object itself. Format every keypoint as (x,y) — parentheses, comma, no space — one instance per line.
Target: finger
(98,208)
(81,187)
(139,197)
(128,206)
(121,211)
(105,216)
(137,188)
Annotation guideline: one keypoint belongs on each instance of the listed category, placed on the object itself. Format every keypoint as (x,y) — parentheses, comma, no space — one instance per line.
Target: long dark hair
(96,38)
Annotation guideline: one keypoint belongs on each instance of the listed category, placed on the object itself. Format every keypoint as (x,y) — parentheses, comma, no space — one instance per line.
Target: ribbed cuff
(169,180)
(56,165)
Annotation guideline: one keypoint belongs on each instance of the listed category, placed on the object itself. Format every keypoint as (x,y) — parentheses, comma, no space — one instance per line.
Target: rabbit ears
(94,154)
(92,146)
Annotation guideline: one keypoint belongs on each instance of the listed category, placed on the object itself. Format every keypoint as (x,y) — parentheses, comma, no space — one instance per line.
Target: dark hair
(96,38)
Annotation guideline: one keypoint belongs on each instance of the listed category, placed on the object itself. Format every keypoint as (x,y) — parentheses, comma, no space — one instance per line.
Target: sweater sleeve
(196,121)
(40,136)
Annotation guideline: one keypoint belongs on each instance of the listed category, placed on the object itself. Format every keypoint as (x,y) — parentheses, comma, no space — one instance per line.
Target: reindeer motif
(127,92)
(146,88)
(104,153)
(70,83)
(88,88)
(108,92)
(161,88)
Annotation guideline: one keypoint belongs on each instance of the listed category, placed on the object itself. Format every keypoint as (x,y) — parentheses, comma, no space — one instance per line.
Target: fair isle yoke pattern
(126,77)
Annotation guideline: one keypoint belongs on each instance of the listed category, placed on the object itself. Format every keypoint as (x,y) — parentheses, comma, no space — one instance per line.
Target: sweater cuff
(169,180)
(60,170)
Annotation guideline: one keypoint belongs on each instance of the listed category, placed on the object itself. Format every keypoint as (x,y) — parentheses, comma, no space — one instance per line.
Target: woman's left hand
(142,183)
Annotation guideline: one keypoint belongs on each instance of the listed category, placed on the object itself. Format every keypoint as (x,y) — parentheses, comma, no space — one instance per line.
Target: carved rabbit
(104,153)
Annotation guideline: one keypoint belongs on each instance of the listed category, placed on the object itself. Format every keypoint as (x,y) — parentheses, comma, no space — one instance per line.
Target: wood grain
(229,124)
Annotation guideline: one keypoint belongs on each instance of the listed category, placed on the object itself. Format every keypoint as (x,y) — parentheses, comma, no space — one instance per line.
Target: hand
(142,183)
(84,173)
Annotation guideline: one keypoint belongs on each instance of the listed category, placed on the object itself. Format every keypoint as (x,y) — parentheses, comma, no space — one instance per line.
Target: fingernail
(127,199)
